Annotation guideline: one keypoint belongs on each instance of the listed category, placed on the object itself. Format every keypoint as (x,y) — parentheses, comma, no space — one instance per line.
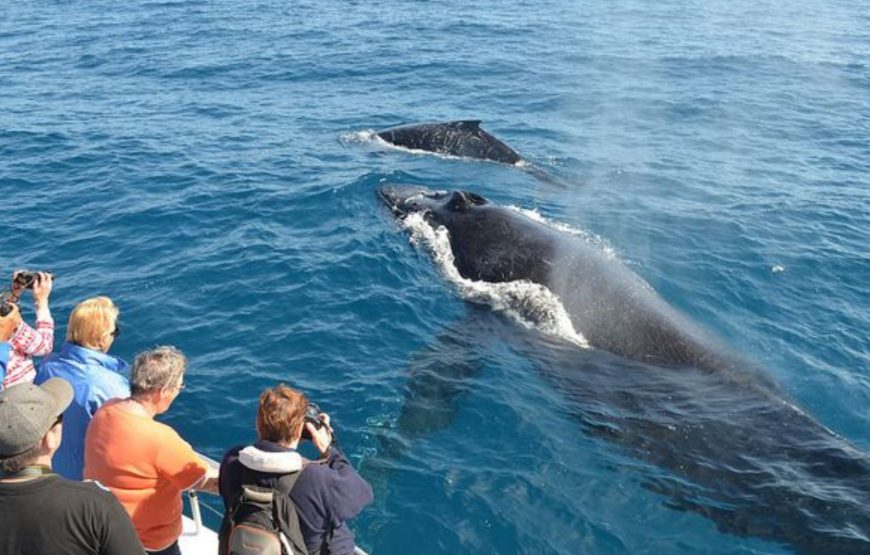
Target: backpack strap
(285,514)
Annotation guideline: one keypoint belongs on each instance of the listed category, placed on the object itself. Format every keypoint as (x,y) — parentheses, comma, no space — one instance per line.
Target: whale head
(438,207)
(489,242)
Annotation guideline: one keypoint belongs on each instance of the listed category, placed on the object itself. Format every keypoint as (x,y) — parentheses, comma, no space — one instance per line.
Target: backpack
(256,521)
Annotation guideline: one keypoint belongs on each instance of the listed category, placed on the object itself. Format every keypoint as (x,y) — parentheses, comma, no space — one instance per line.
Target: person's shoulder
(56,365)
(107,412)
(164,433)
(318,472)
(111,383)
(106,376)
(86,491)
(52,366)
(109,374)
(231,457)
(315,482)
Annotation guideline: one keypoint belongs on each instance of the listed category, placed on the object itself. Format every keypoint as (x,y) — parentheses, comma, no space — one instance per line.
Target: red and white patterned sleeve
(35,342)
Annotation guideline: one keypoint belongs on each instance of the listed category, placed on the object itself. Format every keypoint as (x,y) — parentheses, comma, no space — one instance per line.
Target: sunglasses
(58,421)
(117,331)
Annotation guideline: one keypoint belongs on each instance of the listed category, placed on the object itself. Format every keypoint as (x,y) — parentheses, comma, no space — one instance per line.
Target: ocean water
(210,166)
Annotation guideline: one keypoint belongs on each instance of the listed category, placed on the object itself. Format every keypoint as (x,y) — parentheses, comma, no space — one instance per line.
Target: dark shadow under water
(729,447)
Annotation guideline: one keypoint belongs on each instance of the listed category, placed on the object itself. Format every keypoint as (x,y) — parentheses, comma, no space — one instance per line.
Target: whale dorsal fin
(469,124)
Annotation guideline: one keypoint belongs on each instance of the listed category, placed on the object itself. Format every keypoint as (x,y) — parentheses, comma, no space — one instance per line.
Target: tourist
(23,341)
(95,376)
(326,492)
(43,513)
(144,462)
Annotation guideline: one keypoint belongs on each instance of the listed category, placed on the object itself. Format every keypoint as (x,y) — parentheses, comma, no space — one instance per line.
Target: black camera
(26,278)
(312,415)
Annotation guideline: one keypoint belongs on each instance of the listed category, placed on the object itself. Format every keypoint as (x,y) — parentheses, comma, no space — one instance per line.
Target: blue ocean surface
(211,166)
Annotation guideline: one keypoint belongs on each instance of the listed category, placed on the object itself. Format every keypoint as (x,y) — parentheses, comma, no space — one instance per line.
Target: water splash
(360,137)
(530,304)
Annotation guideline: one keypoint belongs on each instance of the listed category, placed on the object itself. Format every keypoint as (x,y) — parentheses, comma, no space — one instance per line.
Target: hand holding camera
(39,282)
(317,428)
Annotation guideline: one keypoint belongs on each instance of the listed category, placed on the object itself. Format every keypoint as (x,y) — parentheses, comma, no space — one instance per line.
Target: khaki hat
(27,413)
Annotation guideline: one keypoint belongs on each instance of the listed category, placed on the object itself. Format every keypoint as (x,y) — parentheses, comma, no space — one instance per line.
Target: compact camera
(26,278)
(312,415)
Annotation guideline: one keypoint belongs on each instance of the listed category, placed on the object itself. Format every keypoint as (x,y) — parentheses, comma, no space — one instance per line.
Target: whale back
(490,243)
(462,138)
(611,306)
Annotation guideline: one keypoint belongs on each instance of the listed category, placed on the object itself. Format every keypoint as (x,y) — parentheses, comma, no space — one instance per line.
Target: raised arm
(39,341)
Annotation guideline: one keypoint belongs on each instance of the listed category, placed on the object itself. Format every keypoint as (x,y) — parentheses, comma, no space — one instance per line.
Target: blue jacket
(4,360)
(325,495)
(95,377)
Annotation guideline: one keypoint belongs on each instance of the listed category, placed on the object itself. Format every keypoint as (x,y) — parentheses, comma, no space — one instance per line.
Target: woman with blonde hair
(95,376)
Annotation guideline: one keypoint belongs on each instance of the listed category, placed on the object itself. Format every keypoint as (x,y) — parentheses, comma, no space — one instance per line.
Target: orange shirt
(146,464)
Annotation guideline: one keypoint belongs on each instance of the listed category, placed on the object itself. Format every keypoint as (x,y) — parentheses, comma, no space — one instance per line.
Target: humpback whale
(738,451)
(613,308)
(456,138)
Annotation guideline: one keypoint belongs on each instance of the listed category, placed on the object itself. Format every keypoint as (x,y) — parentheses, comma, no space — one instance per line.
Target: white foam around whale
(530,304)
(363,136)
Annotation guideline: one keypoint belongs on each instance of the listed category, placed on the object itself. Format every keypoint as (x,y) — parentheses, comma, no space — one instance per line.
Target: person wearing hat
(43,513)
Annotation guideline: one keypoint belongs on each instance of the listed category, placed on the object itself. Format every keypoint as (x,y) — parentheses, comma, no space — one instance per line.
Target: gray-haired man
(42,513)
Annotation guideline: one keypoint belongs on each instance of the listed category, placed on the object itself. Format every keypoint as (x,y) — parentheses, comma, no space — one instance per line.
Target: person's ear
(106,341)
(51,441)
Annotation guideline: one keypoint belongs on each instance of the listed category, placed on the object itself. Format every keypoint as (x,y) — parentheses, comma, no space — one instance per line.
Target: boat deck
(197,540)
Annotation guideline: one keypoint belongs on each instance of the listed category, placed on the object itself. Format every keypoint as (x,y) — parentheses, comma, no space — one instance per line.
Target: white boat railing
(196,512)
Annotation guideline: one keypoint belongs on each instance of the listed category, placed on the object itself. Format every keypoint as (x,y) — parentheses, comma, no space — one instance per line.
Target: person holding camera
(322,494)
(25,342)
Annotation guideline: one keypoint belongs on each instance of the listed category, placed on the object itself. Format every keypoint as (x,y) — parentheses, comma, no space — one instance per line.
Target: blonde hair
(91,320)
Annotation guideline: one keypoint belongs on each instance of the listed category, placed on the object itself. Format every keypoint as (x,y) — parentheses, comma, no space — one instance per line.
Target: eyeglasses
(58,421)
(117,331)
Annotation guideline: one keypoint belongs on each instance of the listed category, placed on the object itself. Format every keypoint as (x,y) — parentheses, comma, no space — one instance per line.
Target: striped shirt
(25,344)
